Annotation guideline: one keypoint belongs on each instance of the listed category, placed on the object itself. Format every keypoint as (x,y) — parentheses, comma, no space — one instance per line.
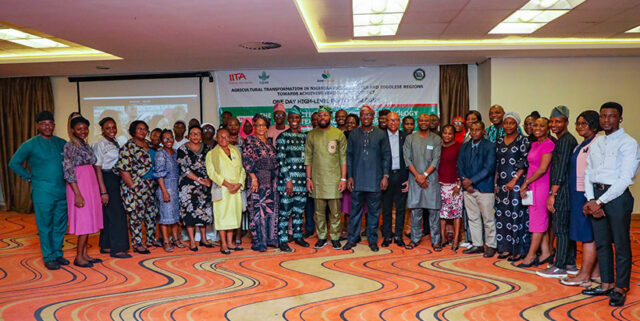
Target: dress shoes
(62,261)
(52,265)
(473,250)
(596,291)
(307,234)
(95,261)
(489,252)
(374,247)
(386,242)
(284,247)
(301,242)
(349,246)
(400,243)
(320,244)
(616,299)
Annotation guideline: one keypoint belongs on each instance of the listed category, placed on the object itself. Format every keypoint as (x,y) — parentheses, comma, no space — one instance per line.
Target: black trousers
(309,223)
(358,200)
(115,234)
(393,195)
(614,228)
(565,247)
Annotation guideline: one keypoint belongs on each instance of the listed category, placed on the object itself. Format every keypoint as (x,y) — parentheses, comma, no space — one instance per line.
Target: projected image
(158,102)
(156,116)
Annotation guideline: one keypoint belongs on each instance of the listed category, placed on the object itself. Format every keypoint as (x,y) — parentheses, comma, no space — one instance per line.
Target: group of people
(527,196)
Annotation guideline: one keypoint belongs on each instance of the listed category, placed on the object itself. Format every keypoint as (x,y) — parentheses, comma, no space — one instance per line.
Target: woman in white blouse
(114,237)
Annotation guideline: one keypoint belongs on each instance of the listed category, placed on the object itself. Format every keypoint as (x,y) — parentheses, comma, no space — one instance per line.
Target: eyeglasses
(207,129)
(457,123)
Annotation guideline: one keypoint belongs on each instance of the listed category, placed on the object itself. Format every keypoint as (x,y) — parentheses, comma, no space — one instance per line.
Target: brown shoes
(489,252)
(473,250)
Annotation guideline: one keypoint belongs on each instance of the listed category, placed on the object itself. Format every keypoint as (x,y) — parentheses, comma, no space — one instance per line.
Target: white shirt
(394,143)
(177,144)
(613,160)
(107,154)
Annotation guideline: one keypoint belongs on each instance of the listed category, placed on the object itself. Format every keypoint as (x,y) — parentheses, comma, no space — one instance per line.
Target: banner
(408,91)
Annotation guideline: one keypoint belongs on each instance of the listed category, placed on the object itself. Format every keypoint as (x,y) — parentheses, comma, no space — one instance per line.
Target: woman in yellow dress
(224,166)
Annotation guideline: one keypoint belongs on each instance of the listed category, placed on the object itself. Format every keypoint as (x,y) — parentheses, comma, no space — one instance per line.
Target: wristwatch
(343,179)
(599,202)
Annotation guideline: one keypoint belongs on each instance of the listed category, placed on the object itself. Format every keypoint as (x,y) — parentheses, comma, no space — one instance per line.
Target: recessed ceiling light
(374,18)
(633,30)
(533,15)
(27,39)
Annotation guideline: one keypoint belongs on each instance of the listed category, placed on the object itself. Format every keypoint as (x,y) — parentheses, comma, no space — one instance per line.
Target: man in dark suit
(398,184)
(476,167)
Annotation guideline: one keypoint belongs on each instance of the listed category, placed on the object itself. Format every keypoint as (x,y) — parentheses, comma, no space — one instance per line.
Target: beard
(323,124)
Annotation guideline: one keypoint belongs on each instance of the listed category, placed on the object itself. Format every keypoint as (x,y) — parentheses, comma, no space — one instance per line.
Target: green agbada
(326,152)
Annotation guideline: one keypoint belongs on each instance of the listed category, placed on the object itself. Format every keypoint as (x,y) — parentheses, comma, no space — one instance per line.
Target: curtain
(21,99)
(454,92)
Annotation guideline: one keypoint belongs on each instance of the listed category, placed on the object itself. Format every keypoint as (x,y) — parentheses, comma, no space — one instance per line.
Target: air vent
(260,45)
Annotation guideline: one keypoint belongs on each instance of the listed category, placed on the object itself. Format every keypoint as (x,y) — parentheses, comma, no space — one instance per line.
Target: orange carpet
(308,284)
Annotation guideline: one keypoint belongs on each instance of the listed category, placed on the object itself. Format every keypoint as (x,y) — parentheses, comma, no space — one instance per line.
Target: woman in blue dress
(580,230)
(166,171)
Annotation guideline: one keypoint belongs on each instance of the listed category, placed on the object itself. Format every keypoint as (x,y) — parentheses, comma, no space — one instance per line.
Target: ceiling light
(27,39)
(634,30)
(379,6)
(373,18)
(39,43)
(377,19)
(375,31)
(516,28)
(12,34)
(533,15)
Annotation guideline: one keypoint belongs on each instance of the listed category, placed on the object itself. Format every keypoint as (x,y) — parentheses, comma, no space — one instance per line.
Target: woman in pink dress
(84,204)
(537,182)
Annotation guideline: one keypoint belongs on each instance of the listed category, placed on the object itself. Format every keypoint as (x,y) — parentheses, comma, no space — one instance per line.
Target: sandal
(437,248)
(178,244)
(410,246)
(168,247)
(584,284)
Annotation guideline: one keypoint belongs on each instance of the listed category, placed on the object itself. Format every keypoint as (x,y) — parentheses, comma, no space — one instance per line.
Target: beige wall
(65,99)
(522,85)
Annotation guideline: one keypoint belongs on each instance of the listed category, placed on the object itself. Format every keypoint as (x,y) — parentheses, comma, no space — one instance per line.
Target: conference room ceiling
(194,35)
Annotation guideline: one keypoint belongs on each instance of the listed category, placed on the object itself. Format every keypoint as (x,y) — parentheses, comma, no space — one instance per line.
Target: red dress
(448,176)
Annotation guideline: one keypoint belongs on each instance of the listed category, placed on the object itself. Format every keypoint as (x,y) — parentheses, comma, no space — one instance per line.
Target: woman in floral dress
(194,187)
(261,163)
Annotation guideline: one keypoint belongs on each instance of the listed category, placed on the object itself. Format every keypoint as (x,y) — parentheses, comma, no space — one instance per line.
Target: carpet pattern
(308,284)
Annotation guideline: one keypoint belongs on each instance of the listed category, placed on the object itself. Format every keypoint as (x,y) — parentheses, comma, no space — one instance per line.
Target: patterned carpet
(308,284)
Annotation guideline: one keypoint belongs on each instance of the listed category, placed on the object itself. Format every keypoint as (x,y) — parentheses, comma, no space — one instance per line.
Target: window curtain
(21,99)
(454,92)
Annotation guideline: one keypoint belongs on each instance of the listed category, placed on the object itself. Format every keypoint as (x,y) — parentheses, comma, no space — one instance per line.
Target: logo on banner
(419,74)
(238,78)
(264,78)
(325,77)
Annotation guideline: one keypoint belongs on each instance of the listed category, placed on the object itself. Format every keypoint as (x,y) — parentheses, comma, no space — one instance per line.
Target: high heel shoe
(549,260)
(535,262)
(504,255)
(207,245)
(515,258)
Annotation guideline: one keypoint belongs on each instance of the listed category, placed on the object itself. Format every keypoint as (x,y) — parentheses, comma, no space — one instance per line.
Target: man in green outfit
(44,155)
(326,161)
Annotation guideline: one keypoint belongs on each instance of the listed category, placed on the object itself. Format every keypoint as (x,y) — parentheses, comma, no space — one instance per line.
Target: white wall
(65,99)
(522,85)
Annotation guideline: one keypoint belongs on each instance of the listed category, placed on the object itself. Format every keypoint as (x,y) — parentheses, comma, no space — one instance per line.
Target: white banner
(409,91)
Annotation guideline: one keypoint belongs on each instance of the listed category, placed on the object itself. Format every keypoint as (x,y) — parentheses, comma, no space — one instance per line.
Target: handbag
(216,192)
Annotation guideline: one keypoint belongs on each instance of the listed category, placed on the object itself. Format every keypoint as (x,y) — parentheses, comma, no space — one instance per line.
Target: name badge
(429,147)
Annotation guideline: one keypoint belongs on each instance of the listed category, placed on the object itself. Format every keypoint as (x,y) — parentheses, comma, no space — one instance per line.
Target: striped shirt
(559,172)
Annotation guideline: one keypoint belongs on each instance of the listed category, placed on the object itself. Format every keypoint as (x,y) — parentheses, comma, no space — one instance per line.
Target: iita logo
(326,74)
(264,78)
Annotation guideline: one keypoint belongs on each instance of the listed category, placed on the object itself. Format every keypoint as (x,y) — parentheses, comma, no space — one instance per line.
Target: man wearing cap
(326,161)
(279,116)
(43,153)
(292,180)
(558,201)
(179,128)
(612,165)
(368,166)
